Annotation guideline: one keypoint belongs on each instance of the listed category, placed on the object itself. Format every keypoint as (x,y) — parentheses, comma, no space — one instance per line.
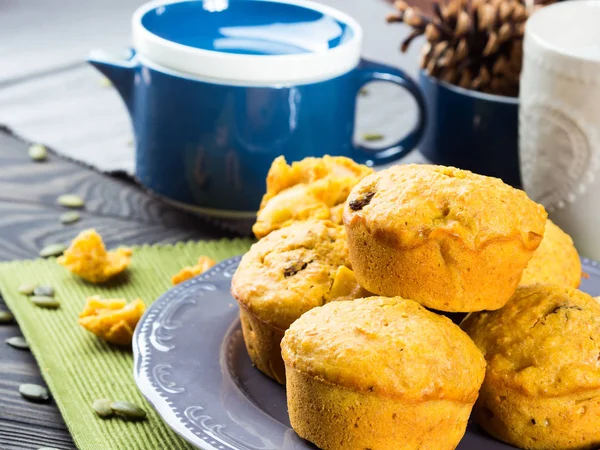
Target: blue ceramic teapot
(217,89)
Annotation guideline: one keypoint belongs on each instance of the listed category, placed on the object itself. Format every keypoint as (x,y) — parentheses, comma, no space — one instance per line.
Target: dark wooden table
(117,208)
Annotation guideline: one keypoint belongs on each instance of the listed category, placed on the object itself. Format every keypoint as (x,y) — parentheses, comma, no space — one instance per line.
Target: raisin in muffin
(380,373)
(542,385)
(556,260)
(282,276)
(447,238)
(314,188)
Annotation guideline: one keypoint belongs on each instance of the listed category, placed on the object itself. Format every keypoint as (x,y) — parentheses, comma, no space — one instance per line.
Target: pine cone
(475,44)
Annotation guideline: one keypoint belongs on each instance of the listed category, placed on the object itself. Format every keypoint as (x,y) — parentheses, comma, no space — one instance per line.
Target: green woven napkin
(79,368)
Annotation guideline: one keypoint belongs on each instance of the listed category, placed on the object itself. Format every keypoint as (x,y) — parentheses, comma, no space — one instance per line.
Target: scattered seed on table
(45,302)
(52,250)
(6,317)
(70,201)
(44,291)
(17,342)
(69,217)
(38,152)
(128,410)
(372,136)
(34,392)
(364,92)
(102,408)
(27,288)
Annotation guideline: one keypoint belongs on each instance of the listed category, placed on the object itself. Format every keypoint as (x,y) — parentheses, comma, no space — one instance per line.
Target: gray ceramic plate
(191,364)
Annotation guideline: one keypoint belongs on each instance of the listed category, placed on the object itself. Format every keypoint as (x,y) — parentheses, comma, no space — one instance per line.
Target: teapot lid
(260,42)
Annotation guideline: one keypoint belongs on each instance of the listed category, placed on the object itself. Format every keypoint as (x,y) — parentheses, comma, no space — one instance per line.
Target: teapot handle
(369,71)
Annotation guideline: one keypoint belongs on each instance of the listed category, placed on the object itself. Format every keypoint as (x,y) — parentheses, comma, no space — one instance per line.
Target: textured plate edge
(590,262)
(166,414)
(160,405)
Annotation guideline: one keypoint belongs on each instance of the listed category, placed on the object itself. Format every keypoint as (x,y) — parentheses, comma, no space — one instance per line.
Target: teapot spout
(119,69)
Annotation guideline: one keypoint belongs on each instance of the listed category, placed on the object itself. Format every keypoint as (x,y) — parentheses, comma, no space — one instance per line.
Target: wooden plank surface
(23,425)
(121,212)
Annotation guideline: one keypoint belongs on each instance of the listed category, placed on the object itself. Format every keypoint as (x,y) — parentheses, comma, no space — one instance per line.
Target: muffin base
(566,423)
(442,274)
(336,418)
(263,343)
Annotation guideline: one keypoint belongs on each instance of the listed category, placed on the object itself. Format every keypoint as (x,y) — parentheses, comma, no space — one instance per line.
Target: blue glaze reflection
(253,27)
(294,98)
(287,39)
(215,5)
(255,47)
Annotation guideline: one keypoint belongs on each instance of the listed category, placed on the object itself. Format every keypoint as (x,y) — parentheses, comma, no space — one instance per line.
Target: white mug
(559,118)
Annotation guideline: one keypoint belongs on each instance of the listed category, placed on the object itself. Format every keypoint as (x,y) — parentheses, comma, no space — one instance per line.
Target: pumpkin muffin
(380,373)
(314,188)
(447,238)
(542,385)
(556,260)
(282,276)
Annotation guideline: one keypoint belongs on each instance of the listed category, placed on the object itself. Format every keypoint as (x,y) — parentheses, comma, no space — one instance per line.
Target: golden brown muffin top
(414,202)
(309,189)
(389,346)
(293,270)
(555,261)
(544,342)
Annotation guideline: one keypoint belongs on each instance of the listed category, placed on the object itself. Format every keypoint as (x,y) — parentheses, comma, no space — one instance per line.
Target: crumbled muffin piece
(87,257)
(314,188)
(112,320)
(204,263)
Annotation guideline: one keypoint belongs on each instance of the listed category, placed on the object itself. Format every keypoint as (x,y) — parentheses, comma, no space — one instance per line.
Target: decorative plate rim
(147,386)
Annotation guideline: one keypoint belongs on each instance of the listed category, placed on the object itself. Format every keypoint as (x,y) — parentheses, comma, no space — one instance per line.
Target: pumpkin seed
(38,152)
(6,317)
(102,408)
(17,342)
(69,217)
(27,288)
(105,82)
(45,302)
(34,392)
(44,291)
(364,92)
(372,137)
(70,201)
(52,250)
(128,410)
